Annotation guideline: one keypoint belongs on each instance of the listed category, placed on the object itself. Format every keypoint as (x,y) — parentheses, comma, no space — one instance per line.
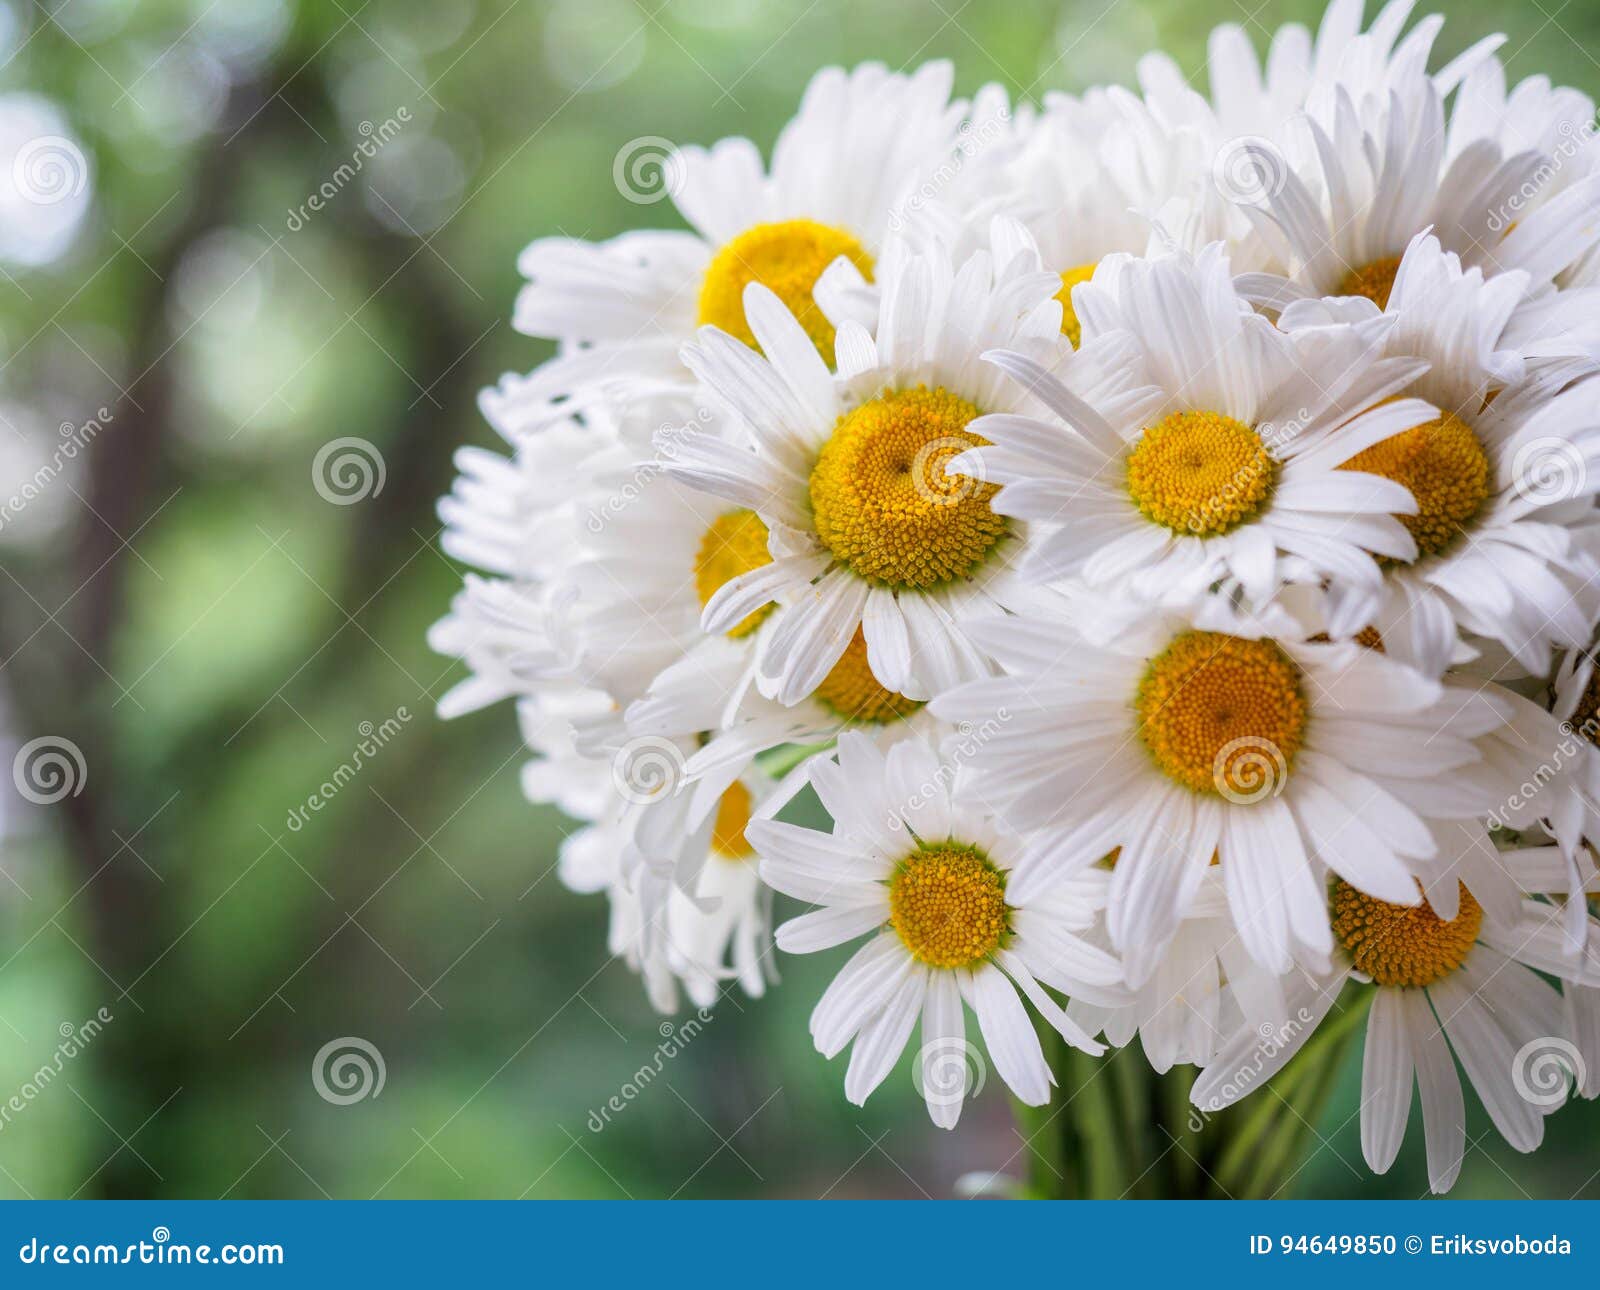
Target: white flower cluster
(1161,530)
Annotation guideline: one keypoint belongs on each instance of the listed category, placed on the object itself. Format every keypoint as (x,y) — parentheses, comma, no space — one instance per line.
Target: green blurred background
(183,606)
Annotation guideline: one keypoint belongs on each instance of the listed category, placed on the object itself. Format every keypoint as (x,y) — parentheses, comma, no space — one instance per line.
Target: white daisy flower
(621,309)
(1250,100)
(1382,170)
(847,472)
(1085,178)
(606,559)
(928,875)
(1203,734)
(1555,121)
(1503,477)
(693,913)
(1204,987)
(599,855)
(1464,989)
(710,696)
(1229,464)
(705,727)
(1533,772)
(722,930)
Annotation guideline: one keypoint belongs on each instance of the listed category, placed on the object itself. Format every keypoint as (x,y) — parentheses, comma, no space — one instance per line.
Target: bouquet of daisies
(1159,529)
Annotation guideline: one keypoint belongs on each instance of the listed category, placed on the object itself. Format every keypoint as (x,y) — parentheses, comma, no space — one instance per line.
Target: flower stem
(1116,1129)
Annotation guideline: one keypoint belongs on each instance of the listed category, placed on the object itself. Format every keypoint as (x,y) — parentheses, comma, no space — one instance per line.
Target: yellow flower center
(1071,328)
(851,691)
(1443,465)
(1374,281)
(735,544)
(1200,473)
(881,500)
(788,258)
(948,904)
(733,817)
(1402,945)
(1221,714)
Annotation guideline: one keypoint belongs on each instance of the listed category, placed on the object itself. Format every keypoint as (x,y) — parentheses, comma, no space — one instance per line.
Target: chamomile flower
(711,696)
(1557,121)
(860,142)
(722,930)
(847,472)
(1381,171)
(1560,795)
(597,856)
(1205,735)
(927,875)
(1445,990)
(1229,464)
(704,724)
(1503,477)
(1083,178)
(606,560)
(1204,987)
(1249,99)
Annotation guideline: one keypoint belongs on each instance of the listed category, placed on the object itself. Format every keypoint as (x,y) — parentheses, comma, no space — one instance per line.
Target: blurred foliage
(212,634)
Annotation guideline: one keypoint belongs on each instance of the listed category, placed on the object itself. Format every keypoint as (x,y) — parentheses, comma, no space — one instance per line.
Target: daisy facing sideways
(1201,735)
(710,696)
(620,309)
(1229,466)
(847,472)
(1364,172)
(1205,987)
(1464,990)
(601,561)
(927,874)
(1504,476)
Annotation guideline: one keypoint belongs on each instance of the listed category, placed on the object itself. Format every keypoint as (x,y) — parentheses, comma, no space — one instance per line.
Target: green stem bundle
(1118,1130)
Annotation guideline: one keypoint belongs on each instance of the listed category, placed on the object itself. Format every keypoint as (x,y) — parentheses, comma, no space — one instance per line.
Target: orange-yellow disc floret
(852,692)
(1374,281)
(1071,328)
(1402,945)
(735,543)
(947,902)
(1200,474)
(786,257)
(1445,468)
(733,817)
(882,503)
(1222,714)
